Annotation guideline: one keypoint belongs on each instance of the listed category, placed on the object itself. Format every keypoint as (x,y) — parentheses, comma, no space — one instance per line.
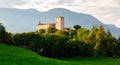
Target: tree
(66,43)
(41,31)
(82,33)
(59,47)
(9,38)
(108,32)
(99,41)
(51,30)
(92,35)
(2,33)
(118,46)
(71,33)
(119,40)
(59,32)
(76,27)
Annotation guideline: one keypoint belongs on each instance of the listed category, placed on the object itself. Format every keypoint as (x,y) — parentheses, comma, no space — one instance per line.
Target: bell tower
(59,23)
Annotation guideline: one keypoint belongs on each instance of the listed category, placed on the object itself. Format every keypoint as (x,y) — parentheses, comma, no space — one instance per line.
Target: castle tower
(59,23)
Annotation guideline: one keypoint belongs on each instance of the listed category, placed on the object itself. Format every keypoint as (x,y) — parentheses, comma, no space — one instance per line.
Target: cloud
(106,11)
(11,3)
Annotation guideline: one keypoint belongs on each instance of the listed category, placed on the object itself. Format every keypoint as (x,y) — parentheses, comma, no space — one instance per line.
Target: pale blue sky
(107,11)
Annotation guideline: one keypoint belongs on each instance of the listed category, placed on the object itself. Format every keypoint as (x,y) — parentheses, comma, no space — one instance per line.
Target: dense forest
(76,41)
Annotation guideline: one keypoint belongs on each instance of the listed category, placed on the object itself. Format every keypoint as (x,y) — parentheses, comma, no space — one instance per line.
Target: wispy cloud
(108,11)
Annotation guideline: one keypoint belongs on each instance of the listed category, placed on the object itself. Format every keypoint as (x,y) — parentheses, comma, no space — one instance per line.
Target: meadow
(10,55)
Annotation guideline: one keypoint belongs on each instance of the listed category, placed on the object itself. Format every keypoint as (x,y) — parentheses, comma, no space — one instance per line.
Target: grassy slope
(10,55)
(92,61)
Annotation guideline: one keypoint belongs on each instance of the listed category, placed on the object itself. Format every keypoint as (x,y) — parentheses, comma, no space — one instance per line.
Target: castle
(59,24)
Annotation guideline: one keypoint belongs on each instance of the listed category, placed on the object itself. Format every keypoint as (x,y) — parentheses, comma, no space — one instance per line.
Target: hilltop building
(59,24)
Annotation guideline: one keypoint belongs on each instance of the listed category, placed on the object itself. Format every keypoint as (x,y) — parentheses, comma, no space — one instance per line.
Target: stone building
(59,24)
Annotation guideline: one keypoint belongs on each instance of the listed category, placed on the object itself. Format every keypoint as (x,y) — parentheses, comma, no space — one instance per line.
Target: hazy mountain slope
(17,20)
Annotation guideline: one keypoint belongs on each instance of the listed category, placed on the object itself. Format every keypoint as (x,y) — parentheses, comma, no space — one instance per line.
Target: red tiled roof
(47,24)
(66,28)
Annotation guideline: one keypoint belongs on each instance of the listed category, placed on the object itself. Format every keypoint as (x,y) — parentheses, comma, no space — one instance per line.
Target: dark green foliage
(50,30)
(59,47)
(2,33)
(76,27)
(75,42)
(41,31)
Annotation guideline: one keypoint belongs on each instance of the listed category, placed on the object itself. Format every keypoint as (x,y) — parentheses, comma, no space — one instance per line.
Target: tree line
(76,41)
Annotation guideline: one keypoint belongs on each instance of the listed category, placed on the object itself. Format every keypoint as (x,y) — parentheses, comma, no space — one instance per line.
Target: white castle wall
(58,25)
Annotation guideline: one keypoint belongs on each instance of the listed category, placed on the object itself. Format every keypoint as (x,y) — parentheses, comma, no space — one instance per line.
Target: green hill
(10,55)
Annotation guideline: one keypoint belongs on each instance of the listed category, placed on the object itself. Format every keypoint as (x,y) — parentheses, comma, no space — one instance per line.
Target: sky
(107,11)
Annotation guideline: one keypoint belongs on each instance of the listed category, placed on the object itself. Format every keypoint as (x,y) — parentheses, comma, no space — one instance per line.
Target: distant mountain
(17,20)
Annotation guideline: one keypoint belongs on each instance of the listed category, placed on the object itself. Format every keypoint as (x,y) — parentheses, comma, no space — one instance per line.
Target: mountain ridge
(19,20)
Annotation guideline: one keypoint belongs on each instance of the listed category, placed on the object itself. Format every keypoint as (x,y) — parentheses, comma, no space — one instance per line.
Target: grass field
(92,61)
(10,55)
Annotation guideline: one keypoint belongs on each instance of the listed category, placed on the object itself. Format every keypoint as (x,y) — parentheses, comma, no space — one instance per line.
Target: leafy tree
(72,48)
(36,44)
(76,27)
(75,42)
(118,46)
(82,33)
(59,47)
(59,32)
(99,40)
(72,33)
(92,35)
(108,32)
(2,33)
(51,30)
(9,38)
(41,31)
